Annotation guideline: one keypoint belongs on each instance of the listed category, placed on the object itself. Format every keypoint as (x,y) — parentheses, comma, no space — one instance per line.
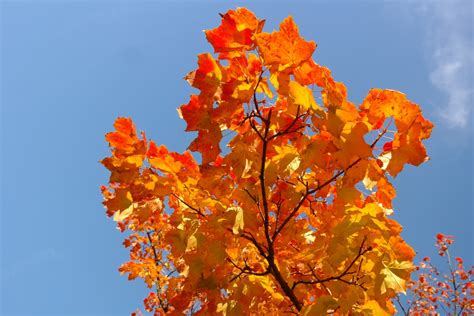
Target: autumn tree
(440,290)
(288,208)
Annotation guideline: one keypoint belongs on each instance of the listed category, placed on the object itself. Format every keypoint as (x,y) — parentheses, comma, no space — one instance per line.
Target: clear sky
(68,69)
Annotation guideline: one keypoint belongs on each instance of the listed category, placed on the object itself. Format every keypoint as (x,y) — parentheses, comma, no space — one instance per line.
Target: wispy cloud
(449,33)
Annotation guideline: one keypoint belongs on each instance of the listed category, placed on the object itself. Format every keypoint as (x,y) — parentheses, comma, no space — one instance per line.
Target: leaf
(235,33)
(395,275)
(160,158)
(302,96)
(369,183)
(121,215)
(284,48)
(125,136)
(384,160)
(352,144)
(207,143)
(322,306)
(120,201)
(239,219)
(390,103)
(293,165)
(196,114)
(192,243)
(373,308)
(246,172)
(267,284)
(208,75)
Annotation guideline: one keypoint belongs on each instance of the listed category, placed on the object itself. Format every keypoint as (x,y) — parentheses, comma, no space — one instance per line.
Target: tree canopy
(288,208)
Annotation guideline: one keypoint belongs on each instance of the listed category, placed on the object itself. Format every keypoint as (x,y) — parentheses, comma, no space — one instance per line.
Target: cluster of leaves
(435,291)
(293,216)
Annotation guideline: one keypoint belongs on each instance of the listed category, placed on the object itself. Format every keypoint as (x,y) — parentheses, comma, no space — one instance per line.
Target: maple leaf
(393,276)
(284,48)
(288,208)
(235,33)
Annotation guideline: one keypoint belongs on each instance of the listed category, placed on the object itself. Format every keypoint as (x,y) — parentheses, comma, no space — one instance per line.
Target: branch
(245,270)
(157,261)
(324,184)
(401,306)
(257,202)
(251,238)
(252,125)
(262,183)
(340,276)
(266,224)
(163,305)
(287,130)
(198,211)
(453,282)
(255,92)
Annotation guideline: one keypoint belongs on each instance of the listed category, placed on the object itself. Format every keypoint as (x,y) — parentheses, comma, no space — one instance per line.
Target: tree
(434,290)
(293,214)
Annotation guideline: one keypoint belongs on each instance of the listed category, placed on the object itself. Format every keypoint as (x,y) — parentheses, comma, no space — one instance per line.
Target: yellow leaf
(322,305)
(247,168)
(121,215)
(395,275)
(302,96)
(222,308)
(264,88)
(278,297)
(387,211)
(369,183)
(264,281)
(373,308)
(293,165)
(309,237)
(192,243)
(239,219)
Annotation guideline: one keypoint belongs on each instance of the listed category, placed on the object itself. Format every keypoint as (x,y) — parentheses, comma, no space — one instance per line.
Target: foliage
(435,291)
(293,215)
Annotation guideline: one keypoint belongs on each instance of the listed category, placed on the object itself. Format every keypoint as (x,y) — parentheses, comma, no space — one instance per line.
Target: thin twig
(198,211)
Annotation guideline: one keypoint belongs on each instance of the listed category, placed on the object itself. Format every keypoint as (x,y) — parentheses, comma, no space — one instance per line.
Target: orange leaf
(285,48)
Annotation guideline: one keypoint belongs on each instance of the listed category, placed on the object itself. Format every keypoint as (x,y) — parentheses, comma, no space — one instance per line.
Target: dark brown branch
(163,305)
(257,202)
(248,236)
(266,222)
(340,276)
(198,211)
(253,197)
(401,306)
(245,270)
(255,92)
(323,185)
(316,277)
(157,261)
(252,125)
(278,210)
(284,285)
(263,190)
(288,130)
(259,247)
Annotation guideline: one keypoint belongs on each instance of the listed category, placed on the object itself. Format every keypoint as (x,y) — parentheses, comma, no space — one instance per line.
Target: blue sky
(68,69)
